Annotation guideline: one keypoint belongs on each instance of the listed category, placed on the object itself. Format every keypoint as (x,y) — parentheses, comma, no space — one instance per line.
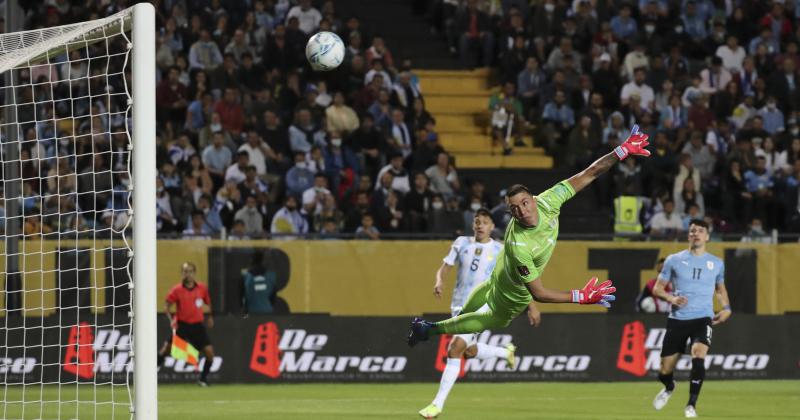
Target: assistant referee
(696,276)
(190,298)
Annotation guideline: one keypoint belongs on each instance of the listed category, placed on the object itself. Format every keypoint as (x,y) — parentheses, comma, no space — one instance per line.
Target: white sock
(449,377)
(486,351)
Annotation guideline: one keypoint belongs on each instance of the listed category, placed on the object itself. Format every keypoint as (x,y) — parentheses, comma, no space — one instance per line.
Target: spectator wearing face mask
(299,178)
(772,116)
(288,219)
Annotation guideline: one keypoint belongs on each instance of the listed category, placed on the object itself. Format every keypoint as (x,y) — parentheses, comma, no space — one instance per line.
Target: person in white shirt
(400,133)
(400,182)
(667,222)
(638,87)
(306,15)
(288,219)
(714,79)
(732,54)
(314,197)
(258,151)
(236,172)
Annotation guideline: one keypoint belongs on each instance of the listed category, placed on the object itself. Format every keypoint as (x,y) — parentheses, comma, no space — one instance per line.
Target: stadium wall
(321,348)
(386,278)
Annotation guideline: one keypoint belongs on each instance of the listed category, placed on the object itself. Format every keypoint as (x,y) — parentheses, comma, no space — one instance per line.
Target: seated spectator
(623,26)
(328,213)
(443,176)
(238,232)
(417,202)
(400,136)
(253,222)
(198,111)
(776,160)
(314,196)
(473,29)
(307,15)
(356,213)
(688,196)
(529,82)
(227,202)
(558,119)
(276,136)
(236,171)
(204,54)
(181,151)
(686,170)
(381,110)
(755,233)
(376,69)
(217,158)
(700,116)
(405,93)
(367,229)
(212,218)
(732,54)
(390,216)
(379,51)
(170,178)
(230,112)
(214,126)
(288,219)
(239,46)
(250,75)
(759,183)
(166,221)
(628,179)
(715,78)
(340,117)
(299,178)
(638,87)
(258,151)
(772,117)
(304,134)
(667,222)
(341,164)
(400,178)
(507,118)
(693,213)
(675,116)
(445,218)
(171,99)
(419,117)
(369,143)
(581,144)
(252,185)
(198,227)
(703,159)
(635,59)
(744,112)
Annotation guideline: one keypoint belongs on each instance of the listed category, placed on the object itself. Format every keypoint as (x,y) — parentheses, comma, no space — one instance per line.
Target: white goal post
(78,220)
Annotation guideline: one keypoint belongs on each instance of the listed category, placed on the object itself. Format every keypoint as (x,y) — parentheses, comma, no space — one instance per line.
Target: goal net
(77,212)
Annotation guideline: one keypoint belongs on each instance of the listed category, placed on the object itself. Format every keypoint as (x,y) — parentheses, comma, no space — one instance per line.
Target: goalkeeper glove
(634,145)
(593,293)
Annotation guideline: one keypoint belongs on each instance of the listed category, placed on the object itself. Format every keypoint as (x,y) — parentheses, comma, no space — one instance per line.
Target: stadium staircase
(459,99)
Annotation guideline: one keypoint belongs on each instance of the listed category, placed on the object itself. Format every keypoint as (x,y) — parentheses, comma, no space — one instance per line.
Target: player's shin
(667,380)
(697,376)
(449,377)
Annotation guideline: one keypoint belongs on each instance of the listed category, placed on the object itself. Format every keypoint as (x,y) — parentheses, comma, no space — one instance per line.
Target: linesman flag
(182,350)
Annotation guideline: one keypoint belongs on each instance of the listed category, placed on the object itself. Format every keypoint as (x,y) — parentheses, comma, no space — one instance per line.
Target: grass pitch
(534,400)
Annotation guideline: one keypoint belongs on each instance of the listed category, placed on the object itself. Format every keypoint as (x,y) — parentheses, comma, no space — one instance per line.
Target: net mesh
(65,261)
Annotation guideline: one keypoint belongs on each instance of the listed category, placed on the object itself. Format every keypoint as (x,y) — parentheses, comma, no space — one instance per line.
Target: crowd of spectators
(251,143)
(715,84)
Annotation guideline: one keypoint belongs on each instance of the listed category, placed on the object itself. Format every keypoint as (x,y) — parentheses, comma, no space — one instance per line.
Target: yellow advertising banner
(395,277)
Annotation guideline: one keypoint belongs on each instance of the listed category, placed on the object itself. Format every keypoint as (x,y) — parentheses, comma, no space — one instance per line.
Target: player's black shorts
(681,332)
(195,334)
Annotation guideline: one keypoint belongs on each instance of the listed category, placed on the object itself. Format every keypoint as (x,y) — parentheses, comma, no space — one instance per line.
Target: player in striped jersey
(475,258)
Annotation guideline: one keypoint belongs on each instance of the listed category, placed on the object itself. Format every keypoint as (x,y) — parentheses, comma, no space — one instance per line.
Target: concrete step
(487,160)
(471,144)
(453,85)
(451,104)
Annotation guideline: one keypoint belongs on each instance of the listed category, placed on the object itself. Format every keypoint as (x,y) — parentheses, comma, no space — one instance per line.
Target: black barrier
(319,348)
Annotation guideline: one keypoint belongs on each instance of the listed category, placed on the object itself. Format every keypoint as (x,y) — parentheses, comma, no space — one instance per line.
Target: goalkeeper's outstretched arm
(592,293)
(634,145)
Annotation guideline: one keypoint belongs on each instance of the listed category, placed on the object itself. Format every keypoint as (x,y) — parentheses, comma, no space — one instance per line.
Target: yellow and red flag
(182,350)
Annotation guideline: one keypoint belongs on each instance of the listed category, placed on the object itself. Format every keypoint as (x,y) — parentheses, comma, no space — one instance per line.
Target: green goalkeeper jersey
(526,251)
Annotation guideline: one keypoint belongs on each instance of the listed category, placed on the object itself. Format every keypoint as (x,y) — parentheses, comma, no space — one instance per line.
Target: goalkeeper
(528,244)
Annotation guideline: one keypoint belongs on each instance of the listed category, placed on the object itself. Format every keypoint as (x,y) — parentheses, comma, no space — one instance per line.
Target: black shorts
(195,334)
(682,333)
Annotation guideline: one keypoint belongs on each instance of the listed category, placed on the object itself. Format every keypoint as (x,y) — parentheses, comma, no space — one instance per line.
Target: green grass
(622,400)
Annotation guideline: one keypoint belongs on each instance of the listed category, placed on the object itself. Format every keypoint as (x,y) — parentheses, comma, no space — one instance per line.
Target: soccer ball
(648,305)
(325,51)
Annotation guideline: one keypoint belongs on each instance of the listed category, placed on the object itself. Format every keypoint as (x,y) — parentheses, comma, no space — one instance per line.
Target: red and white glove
(593,293)
(634,145)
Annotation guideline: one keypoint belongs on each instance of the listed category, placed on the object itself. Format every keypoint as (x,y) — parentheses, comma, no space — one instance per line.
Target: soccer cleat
(511,359)
(689,412)
(430,412)
(419,331)
(202,383)
(662,398)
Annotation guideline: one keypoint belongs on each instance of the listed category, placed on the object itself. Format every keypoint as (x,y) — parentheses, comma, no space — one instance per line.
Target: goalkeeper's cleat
(430,412)
(419,331)
(511,359)
(662,398)
(689,412)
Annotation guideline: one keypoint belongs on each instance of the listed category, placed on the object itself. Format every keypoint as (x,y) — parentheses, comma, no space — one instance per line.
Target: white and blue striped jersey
(694,277)
(475,263)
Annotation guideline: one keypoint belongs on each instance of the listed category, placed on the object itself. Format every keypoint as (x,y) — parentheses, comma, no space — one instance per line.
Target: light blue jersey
(475,263)
(696,279)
